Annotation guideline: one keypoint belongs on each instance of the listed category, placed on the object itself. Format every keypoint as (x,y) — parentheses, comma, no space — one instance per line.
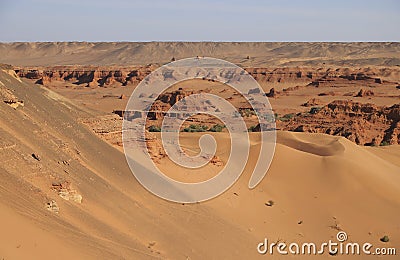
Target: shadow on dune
(313,144)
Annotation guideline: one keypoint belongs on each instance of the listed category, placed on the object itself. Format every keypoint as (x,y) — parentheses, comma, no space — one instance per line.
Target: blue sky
(205,20)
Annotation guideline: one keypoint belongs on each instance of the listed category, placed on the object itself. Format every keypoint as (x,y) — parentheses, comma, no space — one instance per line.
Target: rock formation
(364,93)
(364,124)
(313,102)
(122,76)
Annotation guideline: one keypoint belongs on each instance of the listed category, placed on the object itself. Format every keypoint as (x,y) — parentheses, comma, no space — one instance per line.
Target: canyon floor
(66,190)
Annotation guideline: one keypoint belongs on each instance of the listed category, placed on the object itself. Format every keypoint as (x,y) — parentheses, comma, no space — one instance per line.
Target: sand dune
(319,184)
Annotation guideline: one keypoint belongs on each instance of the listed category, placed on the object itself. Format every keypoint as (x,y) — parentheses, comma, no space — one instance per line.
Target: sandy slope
(261,54)
(326,182)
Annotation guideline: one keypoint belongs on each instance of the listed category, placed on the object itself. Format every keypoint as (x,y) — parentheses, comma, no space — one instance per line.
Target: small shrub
(154,128)
(385,239)
(384,143)
(315,110)
(217,128)
(196,128)
(247,112)
(251,128)
(269,117)
(236,114)
(287,117)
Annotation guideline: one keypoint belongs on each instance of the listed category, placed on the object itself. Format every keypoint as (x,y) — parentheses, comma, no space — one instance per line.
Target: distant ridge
(246,54)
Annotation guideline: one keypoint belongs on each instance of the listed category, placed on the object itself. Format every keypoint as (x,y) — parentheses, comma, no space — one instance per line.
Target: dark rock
(385,239)
(36,157)
(271,93)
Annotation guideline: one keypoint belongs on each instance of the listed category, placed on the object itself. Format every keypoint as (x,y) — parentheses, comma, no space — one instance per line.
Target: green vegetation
(384,143)
(217,128)
(252,128)
(154,128)
(247,112)
(385,239)
(196,128)
(315,110)
(287,117)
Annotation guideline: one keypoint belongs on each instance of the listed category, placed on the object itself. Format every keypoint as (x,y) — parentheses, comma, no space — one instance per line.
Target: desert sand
(66,190)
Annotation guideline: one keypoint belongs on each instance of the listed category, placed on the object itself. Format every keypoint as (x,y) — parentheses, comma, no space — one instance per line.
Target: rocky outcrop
(86,76)
(364,93)
(52,206)
(272,93)
(107,127)
(312,102)
(65,191)
(217,161)
(8,97)
(323,76)
(155,147)
(166,100)
(328,93)
(122,76)
(364,124)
